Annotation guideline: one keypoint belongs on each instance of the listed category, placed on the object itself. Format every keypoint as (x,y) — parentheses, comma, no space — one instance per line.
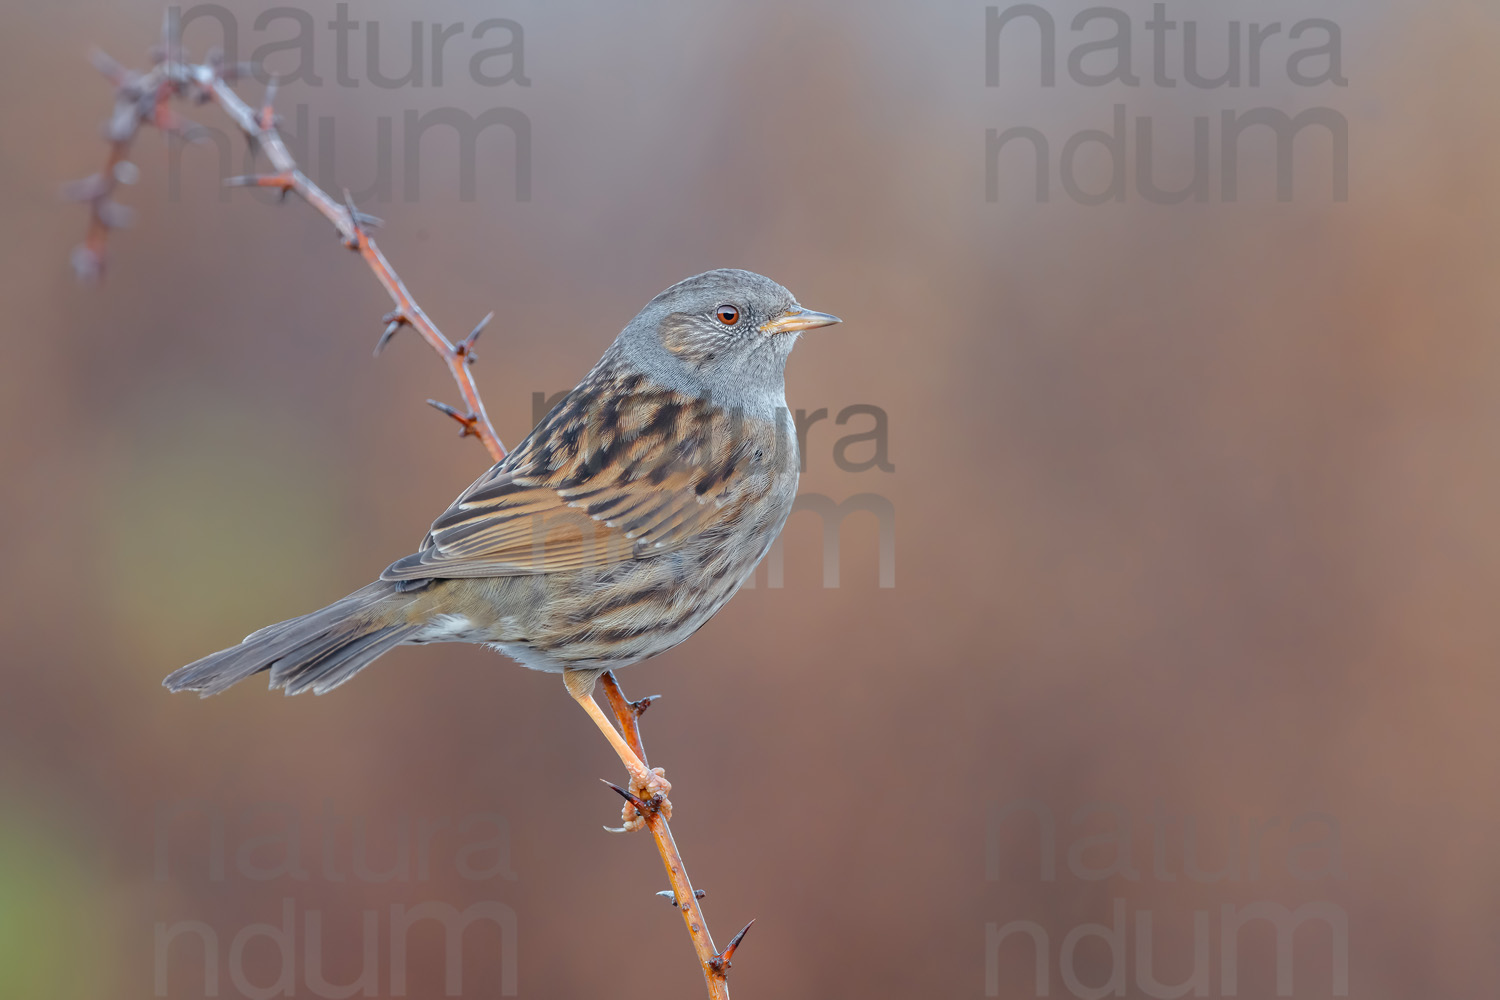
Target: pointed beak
(798,319)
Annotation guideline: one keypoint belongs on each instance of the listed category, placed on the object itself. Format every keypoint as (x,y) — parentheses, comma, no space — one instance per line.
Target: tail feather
(341,661)
(318,651)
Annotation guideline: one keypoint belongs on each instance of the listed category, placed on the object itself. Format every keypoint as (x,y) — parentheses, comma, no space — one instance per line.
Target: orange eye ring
(727,314)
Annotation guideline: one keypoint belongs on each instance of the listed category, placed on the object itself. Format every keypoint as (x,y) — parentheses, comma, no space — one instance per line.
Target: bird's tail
(318,651)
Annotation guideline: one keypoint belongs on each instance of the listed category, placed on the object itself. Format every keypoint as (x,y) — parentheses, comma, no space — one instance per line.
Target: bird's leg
(647,784)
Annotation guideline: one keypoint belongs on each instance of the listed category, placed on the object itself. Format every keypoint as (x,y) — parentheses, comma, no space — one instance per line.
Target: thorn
(111,70)
(643,807)
(671,896)
(639,707)
(385,338)
(465,348)
(123,123)
(734,942)
(185,128)
(86,189)
(720,963)
(357,232)
(467,423)
(267,117)
(282,181)
(228,72)
(114,215)
(88,264)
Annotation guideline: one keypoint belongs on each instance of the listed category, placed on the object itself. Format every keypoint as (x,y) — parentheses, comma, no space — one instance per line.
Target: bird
(615,530)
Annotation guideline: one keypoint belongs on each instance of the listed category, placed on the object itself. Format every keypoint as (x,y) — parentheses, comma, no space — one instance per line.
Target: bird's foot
(651,788)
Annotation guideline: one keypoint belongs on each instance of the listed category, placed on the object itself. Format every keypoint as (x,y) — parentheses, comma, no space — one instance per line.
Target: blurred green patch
(219,521)
(54,918)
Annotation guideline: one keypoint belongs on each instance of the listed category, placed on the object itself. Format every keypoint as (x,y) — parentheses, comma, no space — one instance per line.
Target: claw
(638,810)
(652,788)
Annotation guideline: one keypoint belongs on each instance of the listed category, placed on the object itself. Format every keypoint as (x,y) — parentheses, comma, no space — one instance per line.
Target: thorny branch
(715,964)
(145,99)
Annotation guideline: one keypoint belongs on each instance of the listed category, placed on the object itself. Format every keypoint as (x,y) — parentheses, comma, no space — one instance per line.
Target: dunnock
(615,530)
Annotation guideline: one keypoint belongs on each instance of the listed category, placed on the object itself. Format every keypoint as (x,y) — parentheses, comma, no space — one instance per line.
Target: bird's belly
(633,610)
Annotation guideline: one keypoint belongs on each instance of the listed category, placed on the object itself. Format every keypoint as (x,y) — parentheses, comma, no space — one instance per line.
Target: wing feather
(601,479)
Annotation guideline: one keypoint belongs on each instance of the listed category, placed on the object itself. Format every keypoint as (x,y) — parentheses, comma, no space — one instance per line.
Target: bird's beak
(798,319)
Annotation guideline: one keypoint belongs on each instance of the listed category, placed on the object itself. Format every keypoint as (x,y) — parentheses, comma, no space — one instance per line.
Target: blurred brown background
(1195,510)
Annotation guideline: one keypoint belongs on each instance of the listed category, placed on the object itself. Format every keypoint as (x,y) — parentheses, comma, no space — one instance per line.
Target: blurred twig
(144,98)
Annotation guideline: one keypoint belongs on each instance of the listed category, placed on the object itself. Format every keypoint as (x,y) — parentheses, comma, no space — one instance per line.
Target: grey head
(722,334)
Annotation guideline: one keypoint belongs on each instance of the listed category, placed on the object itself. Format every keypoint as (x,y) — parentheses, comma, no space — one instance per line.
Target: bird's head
(724,333)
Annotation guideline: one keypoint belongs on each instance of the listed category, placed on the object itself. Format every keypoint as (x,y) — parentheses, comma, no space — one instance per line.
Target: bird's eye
(728,315)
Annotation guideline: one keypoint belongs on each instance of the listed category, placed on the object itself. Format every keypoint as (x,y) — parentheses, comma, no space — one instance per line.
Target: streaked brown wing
(601,480)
